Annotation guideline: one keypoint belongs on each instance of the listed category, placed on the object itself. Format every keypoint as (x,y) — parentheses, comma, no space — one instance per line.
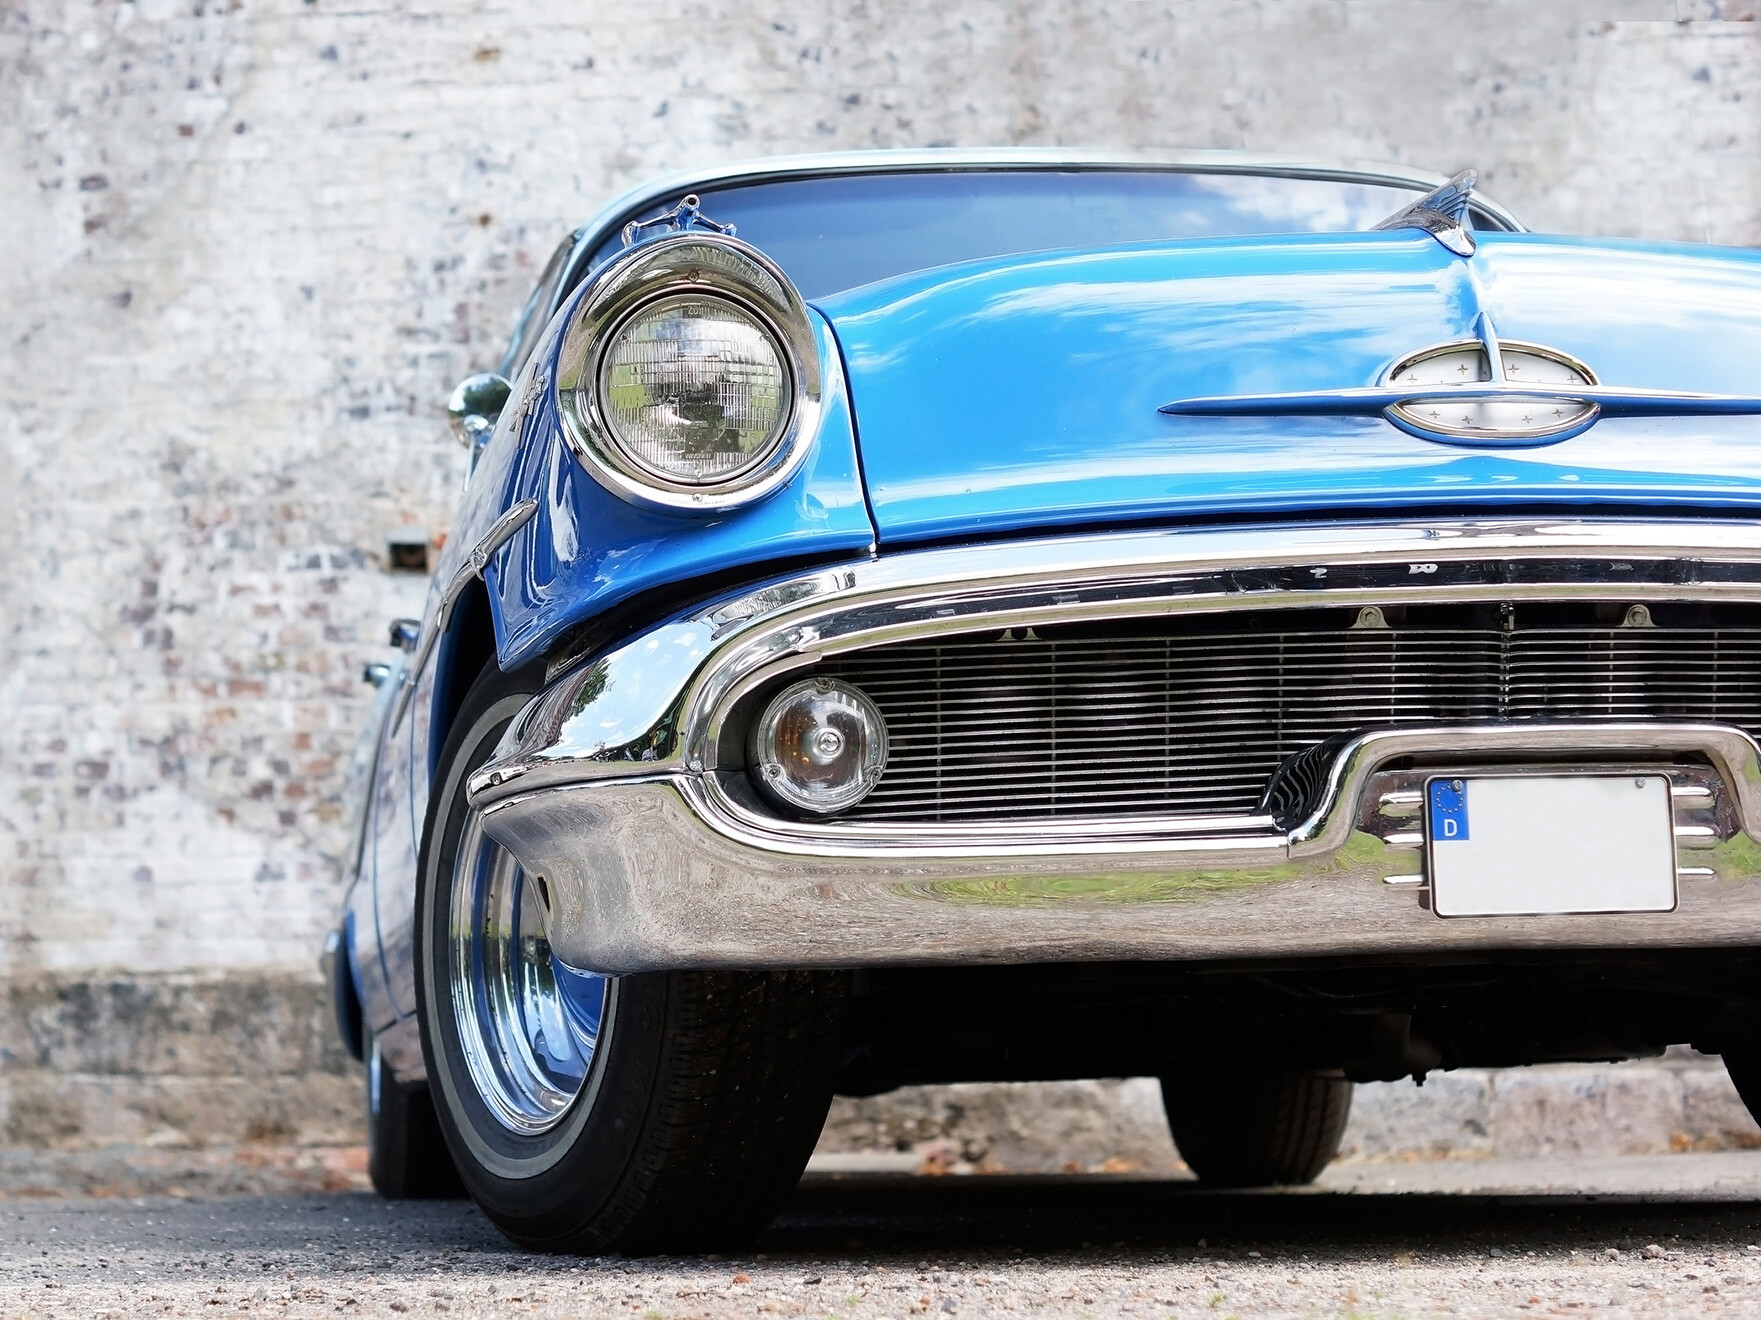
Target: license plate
(1539,845)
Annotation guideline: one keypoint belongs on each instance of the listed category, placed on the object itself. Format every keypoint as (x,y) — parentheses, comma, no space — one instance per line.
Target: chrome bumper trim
(607,783)
(644,874)
(1733,754)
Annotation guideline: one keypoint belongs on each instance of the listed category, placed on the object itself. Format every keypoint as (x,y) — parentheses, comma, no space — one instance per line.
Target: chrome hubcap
(528,1025)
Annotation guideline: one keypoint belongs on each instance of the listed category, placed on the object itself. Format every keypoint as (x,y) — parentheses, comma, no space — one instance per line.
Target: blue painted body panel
(585,551)
(1019,394)
(1022,393)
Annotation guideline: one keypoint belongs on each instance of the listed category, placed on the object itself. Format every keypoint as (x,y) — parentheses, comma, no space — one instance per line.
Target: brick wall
(250,244)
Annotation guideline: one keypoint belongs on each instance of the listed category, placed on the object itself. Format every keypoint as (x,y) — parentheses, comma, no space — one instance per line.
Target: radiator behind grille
(1087,721)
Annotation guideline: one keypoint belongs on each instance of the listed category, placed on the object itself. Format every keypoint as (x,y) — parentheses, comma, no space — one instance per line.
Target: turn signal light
(820,746)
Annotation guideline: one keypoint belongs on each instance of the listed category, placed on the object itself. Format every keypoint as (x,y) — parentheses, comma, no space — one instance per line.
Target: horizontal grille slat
(1092,720)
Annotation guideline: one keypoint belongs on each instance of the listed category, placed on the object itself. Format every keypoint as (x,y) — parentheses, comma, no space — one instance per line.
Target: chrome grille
(1180,719)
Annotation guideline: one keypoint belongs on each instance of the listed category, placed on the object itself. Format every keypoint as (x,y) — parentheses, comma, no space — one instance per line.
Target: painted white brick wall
(246,246)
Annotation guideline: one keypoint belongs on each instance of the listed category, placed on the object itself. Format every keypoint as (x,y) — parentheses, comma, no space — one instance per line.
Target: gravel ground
(1680,1238)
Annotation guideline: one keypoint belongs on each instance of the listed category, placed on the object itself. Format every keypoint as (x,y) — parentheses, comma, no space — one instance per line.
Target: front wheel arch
(705,1094)
(466,652)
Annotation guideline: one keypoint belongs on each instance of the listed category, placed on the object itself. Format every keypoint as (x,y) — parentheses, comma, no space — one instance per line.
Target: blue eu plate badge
(1449,822)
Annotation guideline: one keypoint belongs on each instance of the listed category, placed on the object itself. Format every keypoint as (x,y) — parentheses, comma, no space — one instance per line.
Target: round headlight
(820,746)
(695,389)
(688,377)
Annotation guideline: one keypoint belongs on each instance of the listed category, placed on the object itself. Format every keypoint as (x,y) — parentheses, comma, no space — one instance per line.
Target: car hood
(1024,392)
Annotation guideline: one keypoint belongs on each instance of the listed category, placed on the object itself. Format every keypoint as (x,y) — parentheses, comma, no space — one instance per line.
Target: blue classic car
(944,617)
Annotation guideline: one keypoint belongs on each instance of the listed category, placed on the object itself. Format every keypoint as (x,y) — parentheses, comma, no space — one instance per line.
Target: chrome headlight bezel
(709,266)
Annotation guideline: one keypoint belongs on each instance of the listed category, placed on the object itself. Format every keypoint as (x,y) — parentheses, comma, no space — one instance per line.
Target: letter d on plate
(1448,813)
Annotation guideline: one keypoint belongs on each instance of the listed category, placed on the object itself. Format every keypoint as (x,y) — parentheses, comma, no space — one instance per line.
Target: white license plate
(1535,845)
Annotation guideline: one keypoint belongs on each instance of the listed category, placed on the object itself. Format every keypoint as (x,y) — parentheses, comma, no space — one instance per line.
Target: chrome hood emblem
(1479,392)
(1460,412)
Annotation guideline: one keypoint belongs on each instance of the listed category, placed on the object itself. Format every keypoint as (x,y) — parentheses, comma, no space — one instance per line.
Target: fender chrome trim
(500,532)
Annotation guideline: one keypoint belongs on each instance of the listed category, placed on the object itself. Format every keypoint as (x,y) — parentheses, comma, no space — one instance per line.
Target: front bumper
(607,784)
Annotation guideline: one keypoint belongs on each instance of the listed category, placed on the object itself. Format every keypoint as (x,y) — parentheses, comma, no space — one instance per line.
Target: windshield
(840,231)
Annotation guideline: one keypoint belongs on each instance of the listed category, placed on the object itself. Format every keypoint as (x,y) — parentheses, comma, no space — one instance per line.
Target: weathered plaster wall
(249,245)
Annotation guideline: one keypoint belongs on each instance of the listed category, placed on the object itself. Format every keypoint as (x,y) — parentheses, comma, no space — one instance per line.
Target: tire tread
(744,1080)
(1258,1129)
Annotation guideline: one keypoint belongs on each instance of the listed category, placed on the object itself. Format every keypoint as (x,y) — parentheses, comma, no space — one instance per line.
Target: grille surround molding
(659,703)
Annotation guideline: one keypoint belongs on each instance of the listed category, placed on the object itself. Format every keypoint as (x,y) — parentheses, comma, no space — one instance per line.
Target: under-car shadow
(1049,1214)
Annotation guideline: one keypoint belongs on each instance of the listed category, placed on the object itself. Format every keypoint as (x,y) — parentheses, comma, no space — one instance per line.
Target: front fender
(587,549)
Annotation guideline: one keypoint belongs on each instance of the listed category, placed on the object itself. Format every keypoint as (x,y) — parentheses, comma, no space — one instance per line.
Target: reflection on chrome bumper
(607,784)
(650,873)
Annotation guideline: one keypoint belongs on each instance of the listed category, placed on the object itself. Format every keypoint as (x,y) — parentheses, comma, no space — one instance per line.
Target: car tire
(1744,1067)
(1257,1129)
(656,1111)
(407,1158)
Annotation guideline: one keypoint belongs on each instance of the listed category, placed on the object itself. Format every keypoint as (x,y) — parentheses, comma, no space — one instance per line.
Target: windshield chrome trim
(611,217)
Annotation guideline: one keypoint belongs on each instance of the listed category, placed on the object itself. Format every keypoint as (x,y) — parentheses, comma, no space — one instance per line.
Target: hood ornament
(1481,393)
(685,216)
(1442,213)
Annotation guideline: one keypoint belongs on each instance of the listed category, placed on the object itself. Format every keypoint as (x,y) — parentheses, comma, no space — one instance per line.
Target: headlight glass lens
(695,389)
(820,745)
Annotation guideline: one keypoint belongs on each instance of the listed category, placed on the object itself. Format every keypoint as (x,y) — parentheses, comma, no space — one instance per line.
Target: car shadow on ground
(900,1220)
(1058,1213)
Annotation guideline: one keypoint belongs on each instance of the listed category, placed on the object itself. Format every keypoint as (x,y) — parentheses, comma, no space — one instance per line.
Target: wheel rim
(528,1025)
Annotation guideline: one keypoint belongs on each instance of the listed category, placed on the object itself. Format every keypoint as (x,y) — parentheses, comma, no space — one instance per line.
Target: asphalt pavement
(1667,1235)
